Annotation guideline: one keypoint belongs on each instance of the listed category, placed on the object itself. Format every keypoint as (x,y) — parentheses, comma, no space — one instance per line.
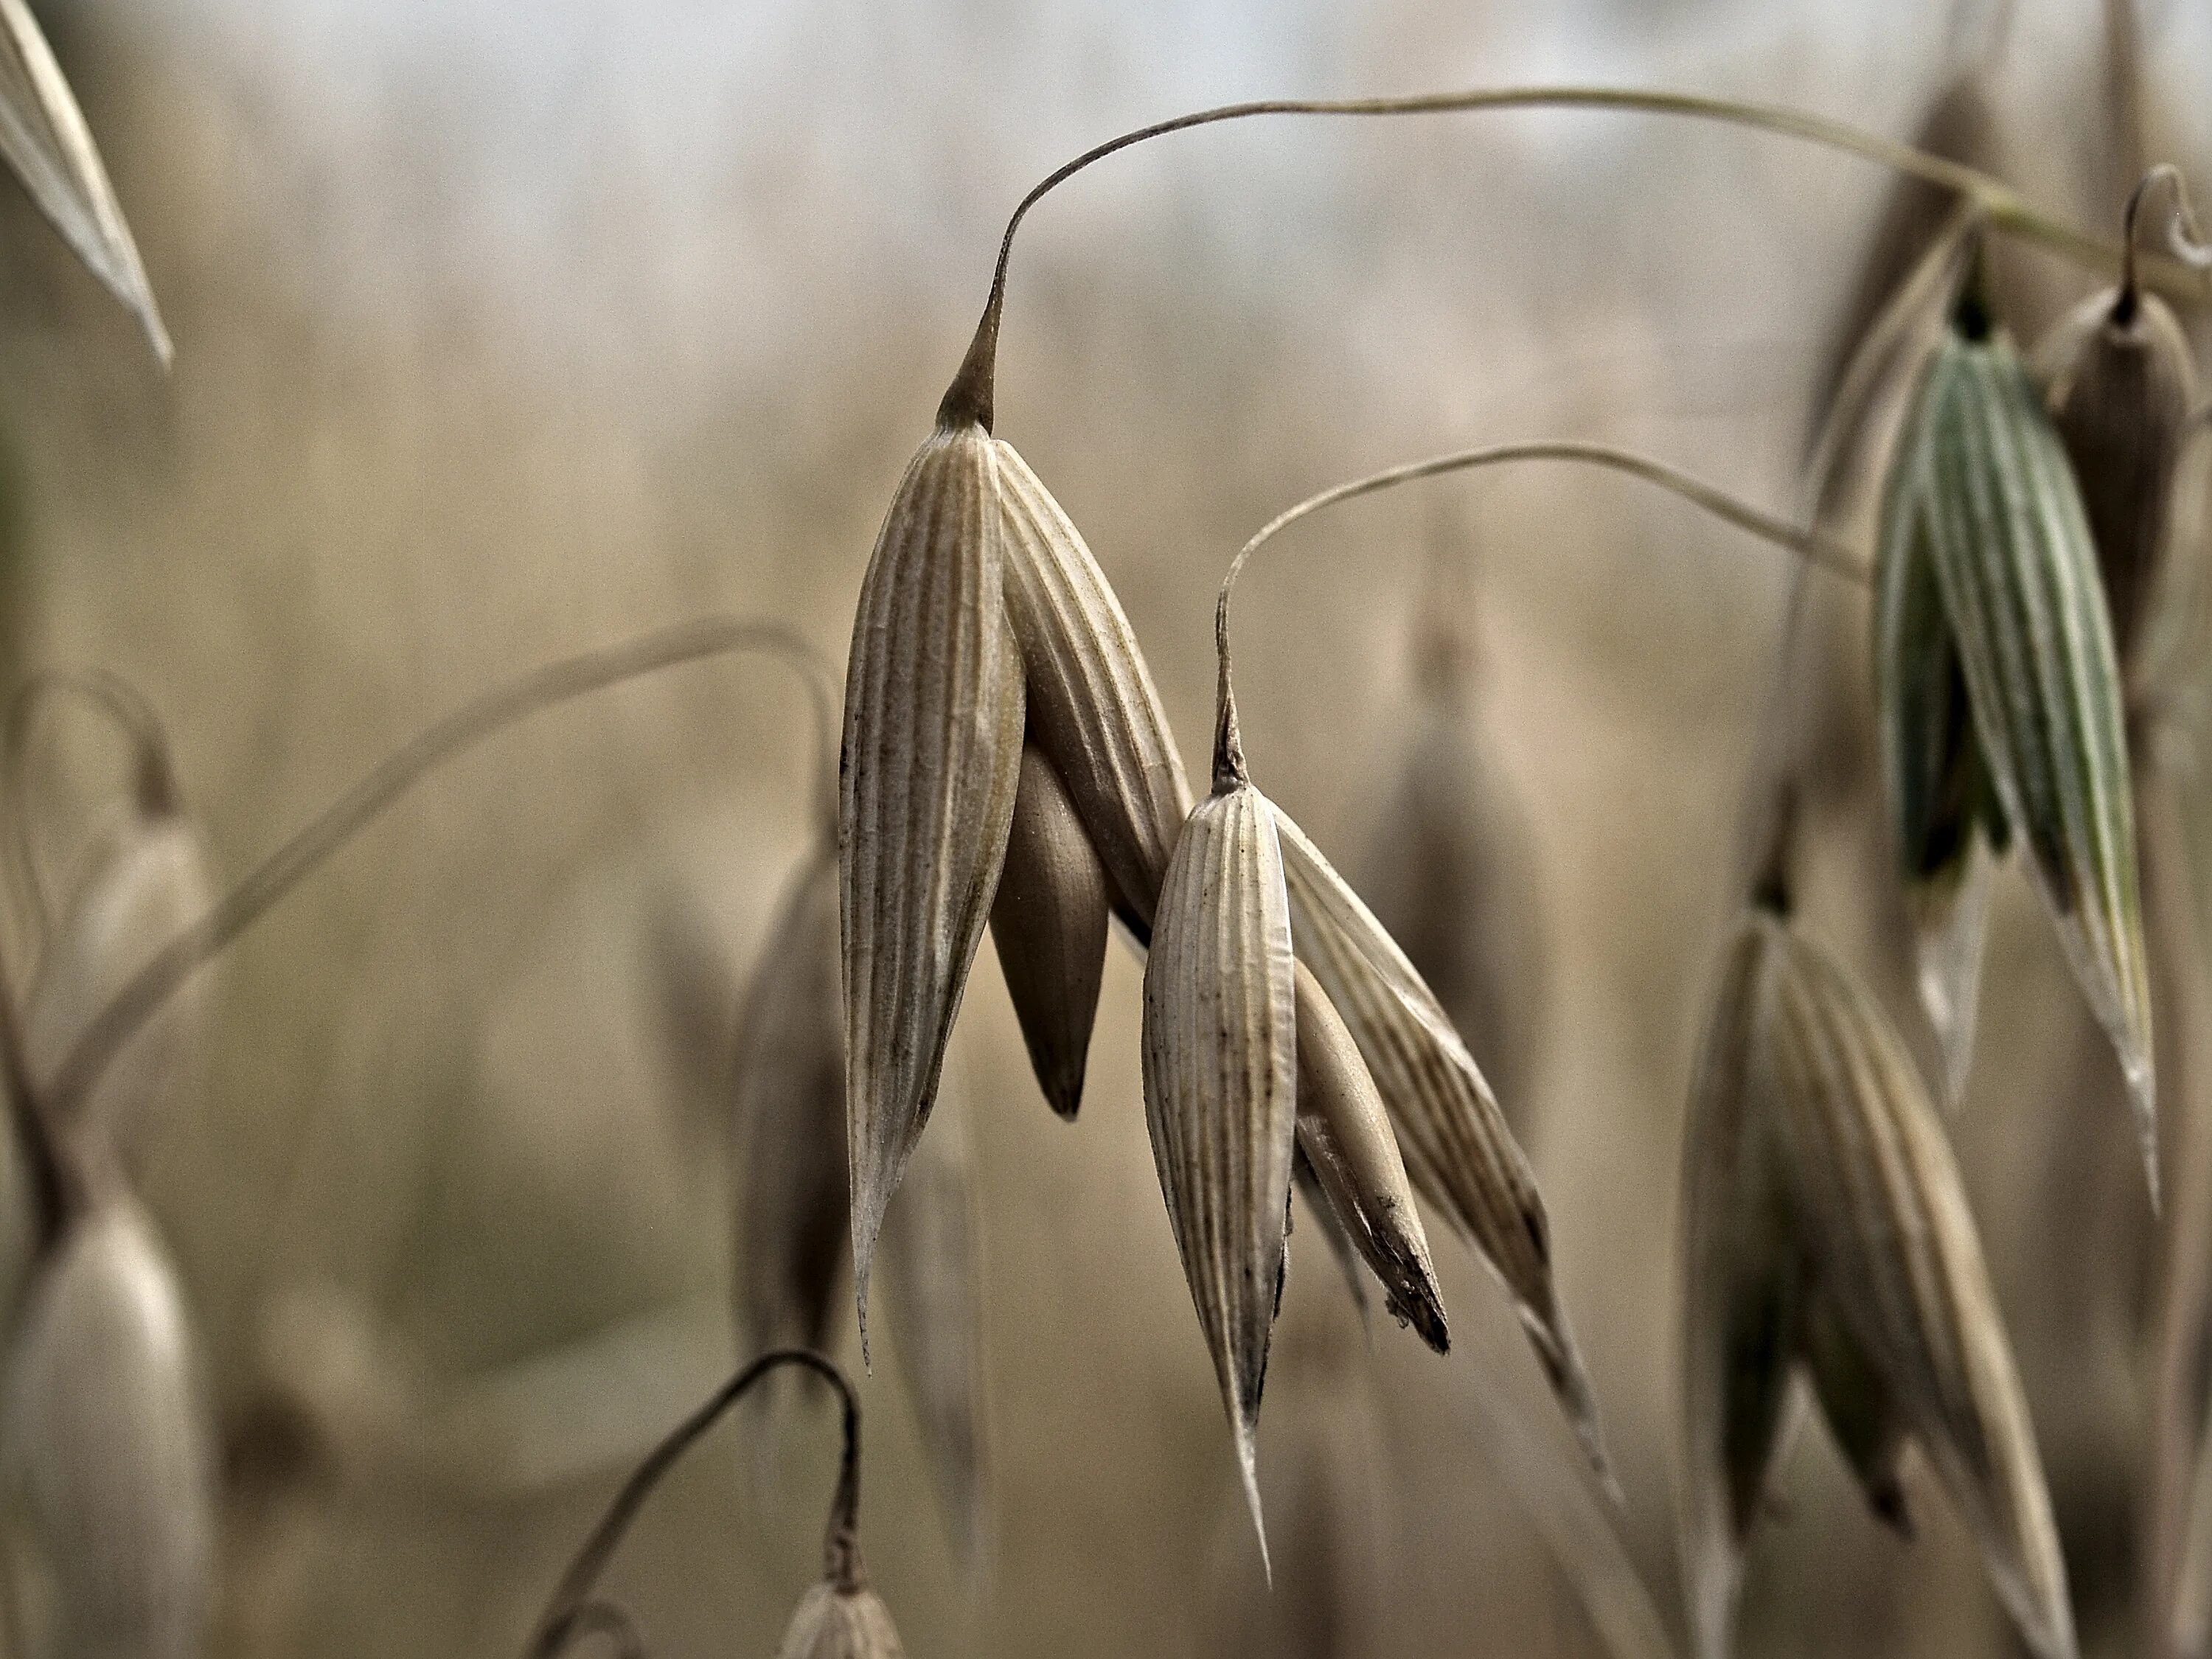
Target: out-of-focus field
(491,349)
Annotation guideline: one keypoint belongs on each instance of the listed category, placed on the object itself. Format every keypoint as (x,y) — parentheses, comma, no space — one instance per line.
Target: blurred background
(503,332)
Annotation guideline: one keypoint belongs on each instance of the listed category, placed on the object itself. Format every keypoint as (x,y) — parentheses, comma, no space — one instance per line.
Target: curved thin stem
(2184,241)
(841,1547)
(1811,545)
(970,397)
(154,779)
(281,870)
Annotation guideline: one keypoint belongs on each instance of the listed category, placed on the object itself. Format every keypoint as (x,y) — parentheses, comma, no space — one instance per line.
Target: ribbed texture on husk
(1347,1137)
(45,139)
(933,1274)
(927,775)
(1824,1223)
(2120,389)
(1942,809)
(1092,706)
(1457,1149)
(2018,575)
(1884,1221)
(840,1623)
(146,884)
(788,1123)
(1048,923)
(105,1433)
(1738,1295)
(1220,1064)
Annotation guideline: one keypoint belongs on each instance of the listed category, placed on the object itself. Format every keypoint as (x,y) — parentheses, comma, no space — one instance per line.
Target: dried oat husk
(1825,1224)
(1451,872)
(931,756)
(144,884)
(1220,1071)
(833,1622)
(2015,569)
(1346,1137)
(105,1436)
(1458,1152)
(44,137)
(1093,707)
(787,1127)
(1321,1211)
(2118,378)
(1049,921)
(932,1285)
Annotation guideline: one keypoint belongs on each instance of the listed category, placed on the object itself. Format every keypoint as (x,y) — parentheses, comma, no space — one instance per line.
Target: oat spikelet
(105,1433)
(1457,1148)
(931,760)
(1048,923)
(2017,572)
(1885,1224)
(787,1125)
(43,136)
(1345,1137)
(1220,1068)
(1092,706)
(933,1274)
(1944,811)
(834,1623)
(1738,1290)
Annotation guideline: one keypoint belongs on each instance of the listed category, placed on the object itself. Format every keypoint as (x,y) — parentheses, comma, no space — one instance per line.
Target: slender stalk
(2184,241)
(840,1547)
(971,397)
(154,779)
(1814,546)
(278,874)
(59,1190)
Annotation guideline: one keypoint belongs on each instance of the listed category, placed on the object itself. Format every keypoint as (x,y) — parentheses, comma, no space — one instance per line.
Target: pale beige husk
(831,1623)
(1347,1137)
(1825,1225)
(1048,923)
(932,1278)
(44,137)
(105,1436)
(2017,571)
(144,885)
(1092,705)
(1884,1218)
(931,756)
(2121,384)
(1457,1149)
(1320,1213)
(1220,1073)
(787,1124)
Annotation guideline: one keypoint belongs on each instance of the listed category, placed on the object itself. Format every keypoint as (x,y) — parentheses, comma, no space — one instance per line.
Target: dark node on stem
(1770,883)
(571,1607)
(1228,769)
(1972,316)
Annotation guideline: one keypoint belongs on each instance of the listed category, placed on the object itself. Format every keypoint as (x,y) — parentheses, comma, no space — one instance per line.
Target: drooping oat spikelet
(933,1274)
(1457,1149)
(1891,1244)
(145,884)
(835,1623)
(2017,572)
(1048,923)
(1943,809)
(2118,378)
(105,1433)
(1824,1225)
(788,1139)
(1450,872)
(1092,706)
(1739,1291)
(43,136)
(1221,1068)
(932,756)
(1345,1137)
